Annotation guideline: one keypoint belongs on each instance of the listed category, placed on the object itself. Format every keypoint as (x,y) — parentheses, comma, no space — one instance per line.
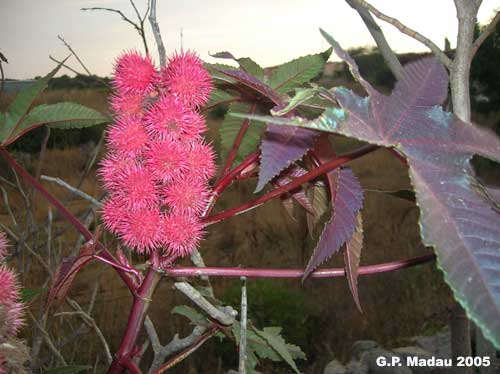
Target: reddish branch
(237,141)
(314,173)
(295,273)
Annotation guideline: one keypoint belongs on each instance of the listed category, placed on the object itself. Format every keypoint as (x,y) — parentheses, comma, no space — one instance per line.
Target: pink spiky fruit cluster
(11,309)
(158,166)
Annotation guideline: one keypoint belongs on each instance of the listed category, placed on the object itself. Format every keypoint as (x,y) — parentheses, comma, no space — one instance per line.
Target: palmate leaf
(60,116)
(296,72)
(229,130)
(288,352)
(460,223)
(347,199)
(246,64)
(281,147)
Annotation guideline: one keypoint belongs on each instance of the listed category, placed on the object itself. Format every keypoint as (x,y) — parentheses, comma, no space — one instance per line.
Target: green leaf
(71,369)
(60,116)
(229,130)
(318,196)
(194,316)
(29,294)
(22,103)
(299,71)
(251,67)
(218,76)
(246,64)
(273,336)
(219,97)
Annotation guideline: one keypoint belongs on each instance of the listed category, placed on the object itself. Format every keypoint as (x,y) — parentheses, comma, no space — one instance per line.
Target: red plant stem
(131,366)
(237,141)
(314,173)
(294,273)
(65,212)
(142,300)
(227,179)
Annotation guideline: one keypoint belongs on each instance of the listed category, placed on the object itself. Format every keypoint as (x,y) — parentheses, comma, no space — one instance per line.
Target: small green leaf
(71,369)
(60,116)
(273,336)
(29,294)
(292,74)
(229,130)
(22,103)
(191,314)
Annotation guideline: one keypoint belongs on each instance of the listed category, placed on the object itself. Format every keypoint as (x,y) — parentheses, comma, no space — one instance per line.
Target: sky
(269,31)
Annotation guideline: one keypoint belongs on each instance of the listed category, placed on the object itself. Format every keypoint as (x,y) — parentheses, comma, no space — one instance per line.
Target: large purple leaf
(458,221)
(280,147)
(347,200)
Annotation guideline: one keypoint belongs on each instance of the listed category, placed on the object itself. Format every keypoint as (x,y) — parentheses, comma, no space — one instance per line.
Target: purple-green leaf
(352,256)
(459,222)
(347,200)
(280,147)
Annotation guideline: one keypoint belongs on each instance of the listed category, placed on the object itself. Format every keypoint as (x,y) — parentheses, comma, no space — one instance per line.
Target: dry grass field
(324,321)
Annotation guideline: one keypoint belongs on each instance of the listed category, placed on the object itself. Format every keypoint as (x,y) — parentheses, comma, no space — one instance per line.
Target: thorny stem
(65,212)
(314,173)
(295,273)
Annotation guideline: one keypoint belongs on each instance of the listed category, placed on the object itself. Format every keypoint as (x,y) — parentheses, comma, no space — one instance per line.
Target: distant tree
(485,74)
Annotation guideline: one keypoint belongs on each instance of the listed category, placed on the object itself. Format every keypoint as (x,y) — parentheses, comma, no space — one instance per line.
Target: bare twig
(445,60)
(377,34)
(59,62)
(225,316)
(487,31)
(156,32)
(30,250)
(198,261)
(174,361)
(47,338)
(7,205)
(139,27)
(72,189)
(86,318)
(74,54)
(91,161)
(243,328)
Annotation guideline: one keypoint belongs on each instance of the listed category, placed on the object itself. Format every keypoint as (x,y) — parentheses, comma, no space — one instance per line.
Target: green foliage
(20,118)
(485,75)
(295,73)
(22,103)
(78,82)
(194,316)
(29,294)
(229,130)
(268,344)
